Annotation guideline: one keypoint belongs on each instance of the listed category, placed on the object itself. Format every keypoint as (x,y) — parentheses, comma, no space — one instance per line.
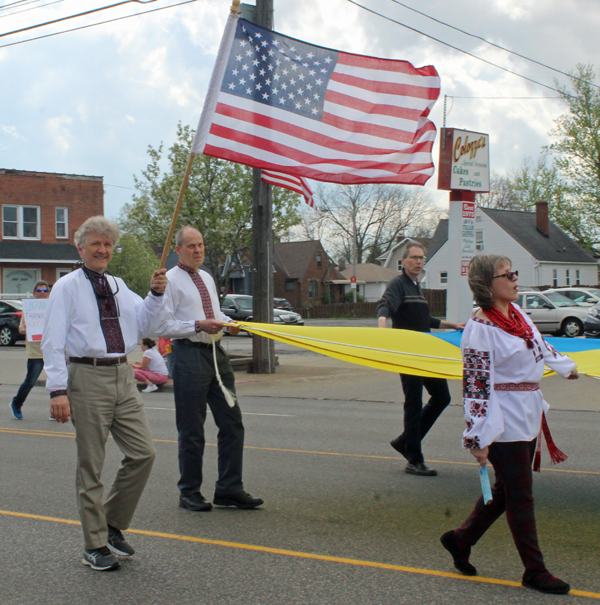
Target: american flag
(295,183)
(281,104)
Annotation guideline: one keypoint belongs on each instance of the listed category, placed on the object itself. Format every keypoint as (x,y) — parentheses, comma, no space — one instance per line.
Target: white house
(371,279)
(542,253)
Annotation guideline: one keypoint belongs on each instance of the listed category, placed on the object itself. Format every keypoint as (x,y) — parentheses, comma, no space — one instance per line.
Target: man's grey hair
(100,225)
(481,277)
(179,234)
(411,243)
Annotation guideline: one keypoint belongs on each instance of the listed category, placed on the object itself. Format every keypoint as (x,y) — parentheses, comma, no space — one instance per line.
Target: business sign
(464,161)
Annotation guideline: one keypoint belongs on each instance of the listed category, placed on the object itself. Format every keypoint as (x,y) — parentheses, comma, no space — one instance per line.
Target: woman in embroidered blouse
(503,361)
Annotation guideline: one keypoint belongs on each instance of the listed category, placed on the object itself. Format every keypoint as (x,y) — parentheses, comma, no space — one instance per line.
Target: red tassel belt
(556,455)
(516,386)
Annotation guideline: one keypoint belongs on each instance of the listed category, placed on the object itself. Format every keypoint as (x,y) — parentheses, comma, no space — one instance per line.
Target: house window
(399,264)
(568,277)
(319,260)
(61,273)
(578,277)
(289,286)
(555,278)
(443,277)
(479,245)
(21,222)
(62,222)
(312,288)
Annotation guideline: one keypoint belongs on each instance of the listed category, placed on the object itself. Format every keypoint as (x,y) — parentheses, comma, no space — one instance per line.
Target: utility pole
(263,349)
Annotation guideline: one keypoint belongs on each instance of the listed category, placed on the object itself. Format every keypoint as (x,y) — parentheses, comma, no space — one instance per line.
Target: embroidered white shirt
(72,323)
(183,307)
(492,356)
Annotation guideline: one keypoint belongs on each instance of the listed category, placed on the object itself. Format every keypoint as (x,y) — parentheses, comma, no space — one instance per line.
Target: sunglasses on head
(510,275)
(41,289)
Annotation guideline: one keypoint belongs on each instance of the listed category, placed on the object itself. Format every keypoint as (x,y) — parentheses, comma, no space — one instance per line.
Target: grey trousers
(106,400)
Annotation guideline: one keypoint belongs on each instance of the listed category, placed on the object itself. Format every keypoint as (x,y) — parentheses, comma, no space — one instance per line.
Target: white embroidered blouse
(491,357)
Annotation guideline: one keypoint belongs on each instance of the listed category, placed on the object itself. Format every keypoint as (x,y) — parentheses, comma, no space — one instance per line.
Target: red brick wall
(83,196)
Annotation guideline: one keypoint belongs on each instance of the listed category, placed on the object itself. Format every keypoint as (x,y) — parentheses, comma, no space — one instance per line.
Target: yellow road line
(302,555)
(43,433)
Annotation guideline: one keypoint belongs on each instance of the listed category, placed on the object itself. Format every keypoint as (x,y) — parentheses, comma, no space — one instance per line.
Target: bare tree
(377,214)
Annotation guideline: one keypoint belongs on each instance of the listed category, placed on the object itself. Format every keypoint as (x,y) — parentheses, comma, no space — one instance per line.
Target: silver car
(553,313)
(586,297)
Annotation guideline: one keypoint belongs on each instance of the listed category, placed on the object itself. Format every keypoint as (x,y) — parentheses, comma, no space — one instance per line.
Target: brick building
(305,275)
(40,213)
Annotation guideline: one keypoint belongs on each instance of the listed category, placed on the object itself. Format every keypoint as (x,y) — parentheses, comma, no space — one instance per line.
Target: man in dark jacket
(404,302)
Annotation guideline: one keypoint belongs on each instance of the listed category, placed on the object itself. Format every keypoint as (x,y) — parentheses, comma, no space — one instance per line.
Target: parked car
(586,297)
(591,325)
(282,303)
(10,316)
(553,313)
(239,307)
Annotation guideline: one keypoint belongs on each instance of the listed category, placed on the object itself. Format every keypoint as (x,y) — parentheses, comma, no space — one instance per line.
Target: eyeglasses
(510,275)
(417,257)
(41,289)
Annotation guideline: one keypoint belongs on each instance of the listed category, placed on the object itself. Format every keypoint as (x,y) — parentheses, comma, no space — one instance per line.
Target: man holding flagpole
(202,375)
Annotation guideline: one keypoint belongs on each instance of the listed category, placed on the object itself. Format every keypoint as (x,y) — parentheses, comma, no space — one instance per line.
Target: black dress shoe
(399,446)
(195,502)
(239,499)
(461,558)
(545,582)
(420,469)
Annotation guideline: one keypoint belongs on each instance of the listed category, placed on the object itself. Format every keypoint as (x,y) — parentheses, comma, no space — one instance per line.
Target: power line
(31,8)
(94,10)
(94,24)
(454,47)
(512,52)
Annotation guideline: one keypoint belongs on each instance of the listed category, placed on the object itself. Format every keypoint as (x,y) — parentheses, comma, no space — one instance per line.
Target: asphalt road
(342,523)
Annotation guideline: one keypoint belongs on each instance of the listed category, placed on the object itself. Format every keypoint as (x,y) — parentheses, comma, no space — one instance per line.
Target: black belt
(99,361)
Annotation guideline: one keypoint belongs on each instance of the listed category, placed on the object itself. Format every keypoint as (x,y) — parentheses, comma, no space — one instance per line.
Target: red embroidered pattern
(202,289)
(516,386)
(476,377)
(471,443)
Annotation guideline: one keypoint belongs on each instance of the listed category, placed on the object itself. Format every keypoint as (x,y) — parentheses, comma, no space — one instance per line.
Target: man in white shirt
(192,318)
(95,320)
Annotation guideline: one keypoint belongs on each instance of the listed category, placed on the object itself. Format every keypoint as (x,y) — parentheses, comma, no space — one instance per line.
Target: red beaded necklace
(514,324)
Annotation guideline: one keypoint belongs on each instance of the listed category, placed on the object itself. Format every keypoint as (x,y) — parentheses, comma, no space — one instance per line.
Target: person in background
(505,413)
(152,370)
(165,348)
(404,301)
(35,361)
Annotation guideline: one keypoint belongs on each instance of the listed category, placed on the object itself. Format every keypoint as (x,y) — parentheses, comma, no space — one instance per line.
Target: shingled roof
(294,257)
(558,247)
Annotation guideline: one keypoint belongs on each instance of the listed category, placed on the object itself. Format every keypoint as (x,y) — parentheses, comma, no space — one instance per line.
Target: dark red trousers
(512,493)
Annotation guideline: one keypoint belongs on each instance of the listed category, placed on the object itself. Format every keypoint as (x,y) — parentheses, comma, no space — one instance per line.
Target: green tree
(578,156)
(218,202)
(135,263)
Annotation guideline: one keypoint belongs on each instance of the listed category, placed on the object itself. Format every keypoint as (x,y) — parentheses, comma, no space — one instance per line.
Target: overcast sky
(91,101)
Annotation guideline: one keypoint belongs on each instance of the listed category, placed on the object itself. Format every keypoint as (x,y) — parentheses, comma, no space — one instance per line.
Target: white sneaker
(150,388)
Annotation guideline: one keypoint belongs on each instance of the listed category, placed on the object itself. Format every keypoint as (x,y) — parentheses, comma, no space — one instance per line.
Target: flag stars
(258,86)
(255,62)
(265,96)
(262,72)
(238,57)
(245,67)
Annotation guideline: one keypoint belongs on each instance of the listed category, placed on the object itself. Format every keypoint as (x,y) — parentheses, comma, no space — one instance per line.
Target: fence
(435,298)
